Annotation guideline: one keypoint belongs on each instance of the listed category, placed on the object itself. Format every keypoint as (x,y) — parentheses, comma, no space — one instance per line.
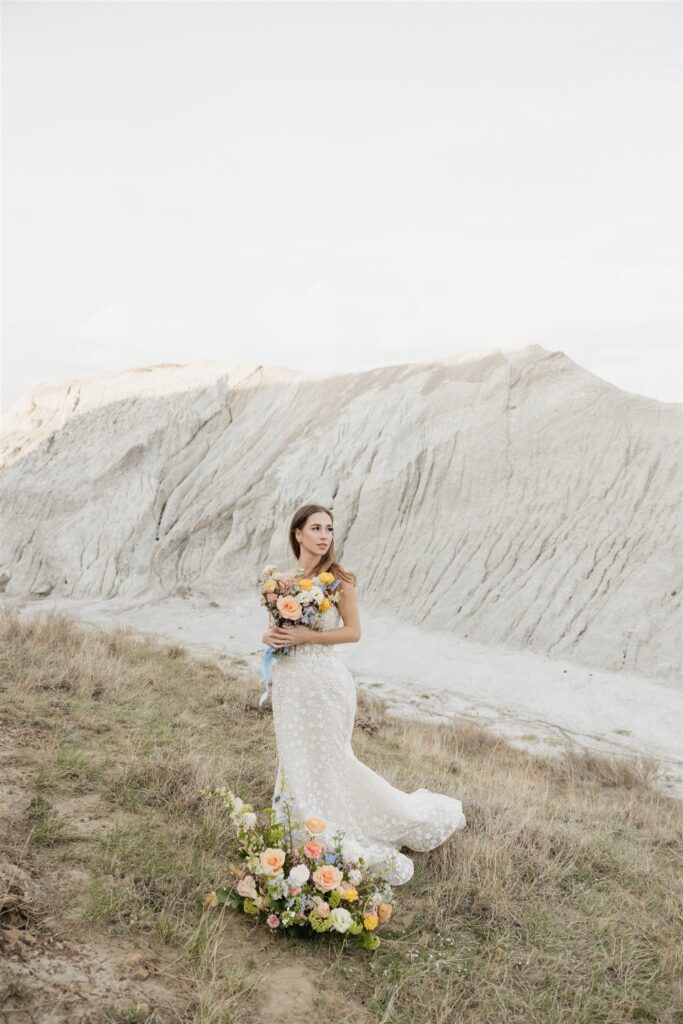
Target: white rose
(351,850)
(299,874)
(341,919)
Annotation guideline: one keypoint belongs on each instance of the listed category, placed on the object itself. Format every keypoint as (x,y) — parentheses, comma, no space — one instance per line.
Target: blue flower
(329,858)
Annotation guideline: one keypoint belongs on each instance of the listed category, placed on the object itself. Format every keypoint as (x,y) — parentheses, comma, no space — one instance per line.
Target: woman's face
(316,534)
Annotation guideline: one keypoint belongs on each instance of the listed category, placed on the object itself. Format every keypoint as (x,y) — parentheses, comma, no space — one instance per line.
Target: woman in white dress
(314,707)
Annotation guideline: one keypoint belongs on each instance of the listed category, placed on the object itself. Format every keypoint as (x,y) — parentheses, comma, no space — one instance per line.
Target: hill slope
(513,498)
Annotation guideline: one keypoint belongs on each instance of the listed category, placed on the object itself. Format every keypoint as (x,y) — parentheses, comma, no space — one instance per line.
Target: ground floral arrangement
(313,886)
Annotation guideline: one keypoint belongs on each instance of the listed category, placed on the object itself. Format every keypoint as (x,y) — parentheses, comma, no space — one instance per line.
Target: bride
(314,706)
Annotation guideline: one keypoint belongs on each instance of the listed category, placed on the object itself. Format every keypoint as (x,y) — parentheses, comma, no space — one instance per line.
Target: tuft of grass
(47,827)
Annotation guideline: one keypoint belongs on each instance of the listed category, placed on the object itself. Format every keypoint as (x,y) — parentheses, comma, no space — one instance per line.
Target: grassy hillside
(560,902)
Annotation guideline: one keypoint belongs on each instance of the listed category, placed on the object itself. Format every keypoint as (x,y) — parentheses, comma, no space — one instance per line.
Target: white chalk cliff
(511,497)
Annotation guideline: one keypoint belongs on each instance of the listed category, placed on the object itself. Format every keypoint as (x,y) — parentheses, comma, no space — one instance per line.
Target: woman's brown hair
(328,561)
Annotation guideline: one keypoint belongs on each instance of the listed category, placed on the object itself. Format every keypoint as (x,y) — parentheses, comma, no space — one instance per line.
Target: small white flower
(341,919)
(248,819)
(278,888)
(355,876)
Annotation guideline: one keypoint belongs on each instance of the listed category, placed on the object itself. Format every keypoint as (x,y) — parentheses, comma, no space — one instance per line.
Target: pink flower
(314,849)
(247,886)
(273,920)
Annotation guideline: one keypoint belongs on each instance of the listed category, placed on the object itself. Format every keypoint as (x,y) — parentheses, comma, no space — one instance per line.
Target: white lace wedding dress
(314,707)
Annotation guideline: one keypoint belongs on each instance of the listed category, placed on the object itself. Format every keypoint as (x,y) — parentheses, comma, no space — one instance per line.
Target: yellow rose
(384,912)
(305,583)
(325,604)
(272,860)
(370,921)
(326,577)
(315,825)
(288,607)
(269,586)
(350,893)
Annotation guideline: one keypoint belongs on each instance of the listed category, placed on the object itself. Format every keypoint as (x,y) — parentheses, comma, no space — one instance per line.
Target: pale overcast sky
(335,186)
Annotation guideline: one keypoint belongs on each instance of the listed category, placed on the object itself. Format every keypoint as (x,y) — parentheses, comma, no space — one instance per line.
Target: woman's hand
(288,635)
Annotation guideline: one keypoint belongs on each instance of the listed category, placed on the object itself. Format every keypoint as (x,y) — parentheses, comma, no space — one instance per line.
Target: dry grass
(560,902)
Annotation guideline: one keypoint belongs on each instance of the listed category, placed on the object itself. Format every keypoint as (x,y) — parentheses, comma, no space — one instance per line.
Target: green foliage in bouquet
(291,879)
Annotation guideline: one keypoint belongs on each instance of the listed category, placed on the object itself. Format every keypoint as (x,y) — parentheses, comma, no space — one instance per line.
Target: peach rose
(315,825)
(326,877)
(289,608)
(384,912)
(272,860)
(314,849)
(323,909)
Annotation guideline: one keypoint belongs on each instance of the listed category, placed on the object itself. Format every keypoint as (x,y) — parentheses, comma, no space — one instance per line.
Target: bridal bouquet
(297,599)
(314,886)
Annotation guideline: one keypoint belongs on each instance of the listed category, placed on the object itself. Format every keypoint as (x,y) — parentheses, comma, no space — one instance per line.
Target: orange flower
(289,608)
(326,877)
(315,825)
(272,860)
(313,848)
(384,912)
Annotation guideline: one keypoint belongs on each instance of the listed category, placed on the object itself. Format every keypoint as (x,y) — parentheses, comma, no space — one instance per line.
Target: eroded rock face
(513,497)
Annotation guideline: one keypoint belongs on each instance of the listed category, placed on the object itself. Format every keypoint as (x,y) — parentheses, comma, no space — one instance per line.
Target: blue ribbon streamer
(267,669)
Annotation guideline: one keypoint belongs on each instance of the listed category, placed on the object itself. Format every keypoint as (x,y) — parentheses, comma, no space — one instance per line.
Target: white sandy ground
(539,703)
